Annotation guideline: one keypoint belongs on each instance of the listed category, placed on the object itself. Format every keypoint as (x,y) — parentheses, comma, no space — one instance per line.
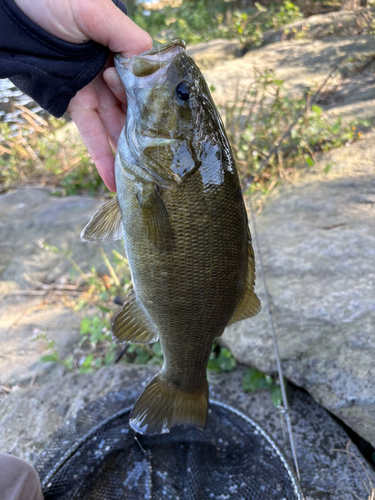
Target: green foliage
(96,338)
(85,178)
(254,380)
(203,20)
(250,26)
(265,116)
(53,355)
(95,348)
(142,354)
(193,21)
(35,154)
(221,360)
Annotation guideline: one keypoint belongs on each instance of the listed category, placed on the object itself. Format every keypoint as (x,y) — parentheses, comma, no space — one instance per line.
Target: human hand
(98,109)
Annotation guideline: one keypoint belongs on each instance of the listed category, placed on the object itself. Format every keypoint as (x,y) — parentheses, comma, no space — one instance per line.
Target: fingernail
(112,79)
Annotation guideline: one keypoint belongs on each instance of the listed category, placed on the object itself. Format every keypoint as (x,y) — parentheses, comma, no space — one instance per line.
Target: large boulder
(317,241)
(28,217)
(29,417)
(304,65)
(209,54)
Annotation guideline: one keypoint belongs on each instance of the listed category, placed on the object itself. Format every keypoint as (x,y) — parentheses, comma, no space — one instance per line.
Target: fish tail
(163,405)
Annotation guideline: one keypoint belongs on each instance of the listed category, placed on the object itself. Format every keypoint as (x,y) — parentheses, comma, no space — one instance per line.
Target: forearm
(48,69)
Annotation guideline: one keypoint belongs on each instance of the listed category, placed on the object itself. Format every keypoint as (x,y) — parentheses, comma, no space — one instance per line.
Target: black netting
(95,456)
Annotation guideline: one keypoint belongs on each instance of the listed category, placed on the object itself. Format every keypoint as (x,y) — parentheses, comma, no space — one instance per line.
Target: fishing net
(95,456)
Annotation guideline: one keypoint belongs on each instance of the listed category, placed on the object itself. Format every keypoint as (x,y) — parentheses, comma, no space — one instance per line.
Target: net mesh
(96,456)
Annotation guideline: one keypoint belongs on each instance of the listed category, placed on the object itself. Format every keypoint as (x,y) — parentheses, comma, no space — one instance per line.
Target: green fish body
(180,210)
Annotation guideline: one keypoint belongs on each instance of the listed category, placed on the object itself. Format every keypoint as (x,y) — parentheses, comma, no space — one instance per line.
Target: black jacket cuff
(46,68)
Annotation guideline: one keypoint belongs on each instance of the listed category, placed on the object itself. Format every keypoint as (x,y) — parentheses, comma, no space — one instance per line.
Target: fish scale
(185,229)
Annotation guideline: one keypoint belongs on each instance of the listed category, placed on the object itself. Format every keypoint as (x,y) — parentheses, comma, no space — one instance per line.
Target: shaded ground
(29,417)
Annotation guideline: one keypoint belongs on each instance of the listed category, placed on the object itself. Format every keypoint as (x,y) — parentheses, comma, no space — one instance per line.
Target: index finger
(95,139)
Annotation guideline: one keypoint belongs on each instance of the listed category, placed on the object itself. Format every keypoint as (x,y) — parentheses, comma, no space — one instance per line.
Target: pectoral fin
(250,304)
(105,224)
(155,218)
(132,324)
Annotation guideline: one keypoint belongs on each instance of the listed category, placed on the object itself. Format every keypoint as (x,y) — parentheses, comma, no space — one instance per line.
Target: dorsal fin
(132,324)
(105,224)
(250,304)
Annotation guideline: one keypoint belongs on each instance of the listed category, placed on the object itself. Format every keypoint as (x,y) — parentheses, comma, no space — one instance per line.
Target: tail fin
(163,405)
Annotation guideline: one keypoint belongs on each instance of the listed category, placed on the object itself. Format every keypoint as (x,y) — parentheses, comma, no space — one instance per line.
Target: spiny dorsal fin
(250,304)
(105,224)
(155,217)
(132,324)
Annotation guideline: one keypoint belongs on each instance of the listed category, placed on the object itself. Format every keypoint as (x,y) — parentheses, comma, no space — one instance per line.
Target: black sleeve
(48,69)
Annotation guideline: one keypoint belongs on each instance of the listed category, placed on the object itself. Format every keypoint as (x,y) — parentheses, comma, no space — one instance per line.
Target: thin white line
(276,349)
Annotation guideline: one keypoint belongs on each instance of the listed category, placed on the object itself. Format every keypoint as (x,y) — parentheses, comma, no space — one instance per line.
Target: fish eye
(183,91)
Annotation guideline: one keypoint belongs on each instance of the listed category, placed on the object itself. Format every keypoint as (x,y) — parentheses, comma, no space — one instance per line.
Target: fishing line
(157,121)
(285,408)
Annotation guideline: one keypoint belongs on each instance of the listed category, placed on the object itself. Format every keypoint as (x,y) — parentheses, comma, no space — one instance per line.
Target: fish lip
(158,50)
(165,47)
(121,62)
(165,52)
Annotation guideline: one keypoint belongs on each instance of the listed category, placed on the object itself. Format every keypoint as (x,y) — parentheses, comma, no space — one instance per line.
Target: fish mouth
(149,62)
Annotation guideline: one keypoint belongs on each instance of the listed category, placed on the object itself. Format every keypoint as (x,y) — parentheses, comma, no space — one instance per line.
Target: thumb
(106,24)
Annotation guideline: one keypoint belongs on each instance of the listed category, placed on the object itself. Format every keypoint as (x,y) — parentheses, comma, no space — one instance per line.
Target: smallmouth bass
(180,210)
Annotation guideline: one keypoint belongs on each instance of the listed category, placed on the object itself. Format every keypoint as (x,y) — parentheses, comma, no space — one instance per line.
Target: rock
(304,66)
(317,240)
(342,23)
(208,54)
(29,216)
(8,286)
(29,417)
(22,319)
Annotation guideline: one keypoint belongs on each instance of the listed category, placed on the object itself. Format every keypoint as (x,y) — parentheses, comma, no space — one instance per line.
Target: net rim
(77,444)
(292,475)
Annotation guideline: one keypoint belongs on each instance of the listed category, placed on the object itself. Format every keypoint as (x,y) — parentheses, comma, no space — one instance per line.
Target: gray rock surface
(26,217)
(29,417)
(317,240)
(21,320)
(304,65)
(209,54)
(30,215)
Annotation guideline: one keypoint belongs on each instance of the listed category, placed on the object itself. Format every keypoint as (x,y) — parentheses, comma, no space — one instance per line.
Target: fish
(180,211)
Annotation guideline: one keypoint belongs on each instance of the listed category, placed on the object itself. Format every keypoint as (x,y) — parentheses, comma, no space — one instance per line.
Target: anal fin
(105,224)
(132,324)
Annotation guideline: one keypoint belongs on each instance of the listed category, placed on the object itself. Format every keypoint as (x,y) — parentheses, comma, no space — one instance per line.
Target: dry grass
(47,153)
(361,471)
